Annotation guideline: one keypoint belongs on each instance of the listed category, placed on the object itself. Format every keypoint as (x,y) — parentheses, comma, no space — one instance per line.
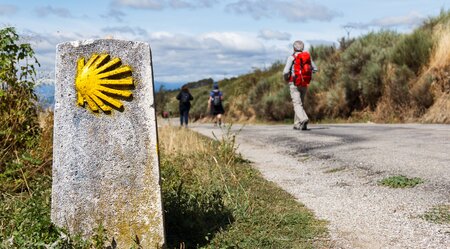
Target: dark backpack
(216,101)
(184,98)
(302,69)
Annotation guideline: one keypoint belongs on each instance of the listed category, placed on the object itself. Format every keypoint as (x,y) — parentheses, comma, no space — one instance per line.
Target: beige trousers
(298,95)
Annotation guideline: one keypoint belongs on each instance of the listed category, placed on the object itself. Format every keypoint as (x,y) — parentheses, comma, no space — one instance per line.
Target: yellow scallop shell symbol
(100,82)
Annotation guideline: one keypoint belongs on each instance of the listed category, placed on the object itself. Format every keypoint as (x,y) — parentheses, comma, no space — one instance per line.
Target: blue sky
(196,39)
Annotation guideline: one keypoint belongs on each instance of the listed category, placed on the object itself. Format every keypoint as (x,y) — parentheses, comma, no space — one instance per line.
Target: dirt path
(334,170)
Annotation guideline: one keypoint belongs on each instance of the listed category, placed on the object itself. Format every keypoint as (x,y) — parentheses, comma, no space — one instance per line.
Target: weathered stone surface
(105,166)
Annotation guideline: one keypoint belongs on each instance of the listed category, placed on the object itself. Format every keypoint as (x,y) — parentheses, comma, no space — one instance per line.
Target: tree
(18,104)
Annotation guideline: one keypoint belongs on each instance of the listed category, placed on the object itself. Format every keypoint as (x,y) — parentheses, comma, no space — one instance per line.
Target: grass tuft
(438,214)
(400,181)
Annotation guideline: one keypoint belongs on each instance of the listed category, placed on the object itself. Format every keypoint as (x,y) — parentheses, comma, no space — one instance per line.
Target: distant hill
(167,86)
(177,86)
(204,82)
(46,95)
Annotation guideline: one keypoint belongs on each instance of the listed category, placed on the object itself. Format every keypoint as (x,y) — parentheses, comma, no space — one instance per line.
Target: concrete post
(105,159)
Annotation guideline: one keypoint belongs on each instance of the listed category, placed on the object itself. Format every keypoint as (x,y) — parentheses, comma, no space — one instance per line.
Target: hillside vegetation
(381,77)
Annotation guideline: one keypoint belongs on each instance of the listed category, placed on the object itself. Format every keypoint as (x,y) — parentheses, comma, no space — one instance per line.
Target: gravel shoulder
(334,170)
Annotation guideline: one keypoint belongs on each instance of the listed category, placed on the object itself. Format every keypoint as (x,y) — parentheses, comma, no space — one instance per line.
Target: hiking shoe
(305,125)
(297,128)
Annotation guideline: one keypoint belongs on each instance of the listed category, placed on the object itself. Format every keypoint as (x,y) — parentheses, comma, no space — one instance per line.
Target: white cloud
(161,4)
(206,3)
(183,58)
(303,11)
(6,9)
(136,31)
(145,4)
(232,42)
(274,35)
(180,4)
(410,20)
(257,10)
(44,45)
(291,10)
(49,10)
(114,14)
(176,57)
(321,42)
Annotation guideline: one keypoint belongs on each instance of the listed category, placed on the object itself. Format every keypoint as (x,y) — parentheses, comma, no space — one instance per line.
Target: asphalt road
(334,170)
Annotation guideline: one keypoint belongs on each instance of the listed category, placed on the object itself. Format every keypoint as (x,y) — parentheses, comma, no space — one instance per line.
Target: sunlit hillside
(382,76)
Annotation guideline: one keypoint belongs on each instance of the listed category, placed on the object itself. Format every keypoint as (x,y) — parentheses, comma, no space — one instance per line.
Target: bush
(363,65)
(322,52)
(19,128)
(396,100)
(26,219)
(276,107)
(199,106)
(413,50)
(422,94)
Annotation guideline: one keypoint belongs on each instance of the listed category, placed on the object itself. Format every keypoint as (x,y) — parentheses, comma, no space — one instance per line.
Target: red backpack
(302,69)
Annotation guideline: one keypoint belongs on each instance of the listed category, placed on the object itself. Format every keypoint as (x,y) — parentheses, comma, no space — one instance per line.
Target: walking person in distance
(185,98)
(215,105)
(298,73)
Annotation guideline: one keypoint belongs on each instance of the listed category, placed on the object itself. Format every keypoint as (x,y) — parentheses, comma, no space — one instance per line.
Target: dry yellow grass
(439,112)
(439,67)
(441,55)
(178,140)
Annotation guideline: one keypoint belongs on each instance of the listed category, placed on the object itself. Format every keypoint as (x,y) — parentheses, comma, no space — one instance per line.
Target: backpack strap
(292,64)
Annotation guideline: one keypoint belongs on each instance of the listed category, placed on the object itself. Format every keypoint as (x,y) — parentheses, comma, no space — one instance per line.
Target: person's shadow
(316,128)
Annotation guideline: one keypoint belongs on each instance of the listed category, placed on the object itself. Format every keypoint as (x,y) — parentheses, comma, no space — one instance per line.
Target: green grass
(25,221)
(212,198)
(438,214)
(400,181)
(226,202)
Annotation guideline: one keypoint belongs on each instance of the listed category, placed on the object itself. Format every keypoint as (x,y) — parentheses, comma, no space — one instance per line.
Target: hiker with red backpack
(298,72)
(185,98)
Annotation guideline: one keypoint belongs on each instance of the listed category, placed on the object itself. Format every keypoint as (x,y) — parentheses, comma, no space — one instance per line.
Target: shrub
(396,100)
(322,52)
(19,129)
(199,106)
(422,94)
(443,18)
(329,70)
(413,50)
(362,69)
(276,107)
(345,43)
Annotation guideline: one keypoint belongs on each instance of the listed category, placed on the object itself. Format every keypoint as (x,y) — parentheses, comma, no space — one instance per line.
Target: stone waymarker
(105,162)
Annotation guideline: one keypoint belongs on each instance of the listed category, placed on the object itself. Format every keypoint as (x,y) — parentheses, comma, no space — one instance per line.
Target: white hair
(298,46)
